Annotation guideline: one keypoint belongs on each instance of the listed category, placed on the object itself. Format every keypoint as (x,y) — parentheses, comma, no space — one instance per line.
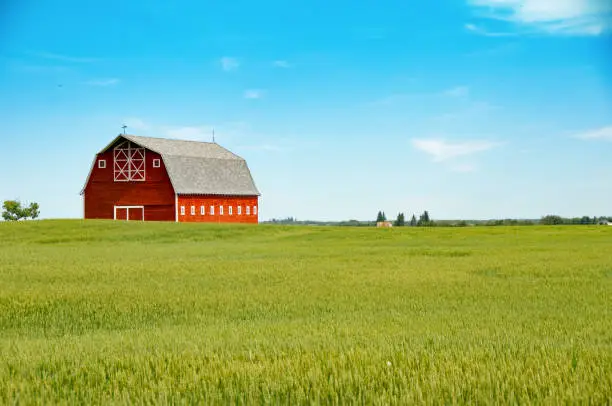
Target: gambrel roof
(196,167)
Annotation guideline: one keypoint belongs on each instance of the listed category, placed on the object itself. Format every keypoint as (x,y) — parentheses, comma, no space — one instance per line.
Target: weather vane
(124,127)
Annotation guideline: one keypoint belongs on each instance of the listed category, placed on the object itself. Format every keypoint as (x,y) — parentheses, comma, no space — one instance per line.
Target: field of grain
(109,312)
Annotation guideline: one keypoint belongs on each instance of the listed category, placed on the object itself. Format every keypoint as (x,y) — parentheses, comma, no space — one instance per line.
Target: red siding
(156,194)
(197,201)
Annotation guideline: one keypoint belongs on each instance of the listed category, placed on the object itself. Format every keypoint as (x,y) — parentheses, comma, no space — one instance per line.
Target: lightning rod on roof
(213,134)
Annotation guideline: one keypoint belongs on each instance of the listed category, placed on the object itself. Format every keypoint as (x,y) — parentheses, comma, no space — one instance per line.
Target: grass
(107,312)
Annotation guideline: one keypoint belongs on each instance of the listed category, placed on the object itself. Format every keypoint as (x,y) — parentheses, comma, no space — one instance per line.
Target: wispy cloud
(40,69)
(554,17)
(459,92)
(469,111)
(281,64)
(502,49)
(136,123)
(103,82)
(482,31)
(442,150)
(200,133)
(64,58)
(229,63)
(604,133)
(254,94)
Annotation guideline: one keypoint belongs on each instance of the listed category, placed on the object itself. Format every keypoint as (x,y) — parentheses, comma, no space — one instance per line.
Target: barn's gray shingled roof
(201,167)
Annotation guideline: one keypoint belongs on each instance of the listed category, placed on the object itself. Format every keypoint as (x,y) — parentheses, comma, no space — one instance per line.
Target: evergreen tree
(425,220)
(399,222)
(413,221)
(380,217)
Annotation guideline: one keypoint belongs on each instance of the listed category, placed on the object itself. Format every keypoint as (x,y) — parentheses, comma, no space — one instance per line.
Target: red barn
(156,179)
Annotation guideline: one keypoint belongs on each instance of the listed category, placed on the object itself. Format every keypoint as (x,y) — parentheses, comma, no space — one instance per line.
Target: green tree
(12,210)
(33,211)
(413,221)
(551,220)
(425,220)
(400,221)
(380,217)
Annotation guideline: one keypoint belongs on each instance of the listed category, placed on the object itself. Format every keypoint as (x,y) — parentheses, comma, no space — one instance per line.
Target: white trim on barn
(127,215)
(129,162)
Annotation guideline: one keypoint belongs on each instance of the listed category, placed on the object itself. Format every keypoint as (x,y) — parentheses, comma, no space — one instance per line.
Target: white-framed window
(221,210)
(248,210)
(229,210)
(202,210)
(182,210)
(212,210)
(255,210)
(240,210)
(193,210)
(156,163)
(101,163)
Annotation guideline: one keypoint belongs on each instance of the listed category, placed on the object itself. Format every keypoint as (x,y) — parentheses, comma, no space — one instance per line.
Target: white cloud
(253,94)
(103,82)
(442,150)
(229,64)
(281,64)
(470,111)
(481,31)
(459,91)
(64,58)
(201,133)
(136,123)
(604,133)
(555,17)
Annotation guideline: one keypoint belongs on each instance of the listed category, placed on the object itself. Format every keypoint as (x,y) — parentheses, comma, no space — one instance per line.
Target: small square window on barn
(248,209)
(255,210)
(182,210)
(101,163)
(156,163)
(229,210)
(221,210)
(240,210)
(212,210)
(202,210)
(193,210)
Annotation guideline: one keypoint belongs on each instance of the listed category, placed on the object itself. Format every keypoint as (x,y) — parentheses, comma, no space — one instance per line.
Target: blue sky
(467,108)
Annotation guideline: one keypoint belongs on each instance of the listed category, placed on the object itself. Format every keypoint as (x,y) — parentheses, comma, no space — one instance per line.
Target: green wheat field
(97,312)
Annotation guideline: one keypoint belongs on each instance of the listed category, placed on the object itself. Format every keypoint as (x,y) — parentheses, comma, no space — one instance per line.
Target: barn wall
(226,201)
(102,193)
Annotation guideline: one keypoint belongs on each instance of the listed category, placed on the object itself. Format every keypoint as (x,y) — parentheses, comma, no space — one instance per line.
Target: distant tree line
(585,220)
(425,220)
(400,221)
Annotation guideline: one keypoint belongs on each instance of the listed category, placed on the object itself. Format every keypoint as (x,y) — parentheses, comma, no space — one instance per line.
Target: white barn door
(129,213)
